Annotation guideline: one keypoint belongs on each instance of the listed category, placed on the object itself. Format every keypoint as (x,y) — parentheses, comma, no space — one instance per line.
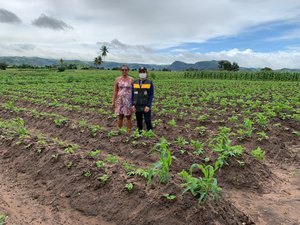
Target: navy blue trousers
(143,115)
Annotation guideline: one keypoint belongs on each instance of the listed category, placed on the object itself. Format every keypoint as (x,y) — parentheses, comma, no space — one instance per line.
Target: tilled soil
(38,188)
(23,204)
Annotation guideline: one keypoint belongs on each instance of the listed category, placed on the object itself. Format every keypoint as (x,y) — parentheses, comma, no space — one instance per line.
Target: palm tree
(98,61)
(104,51)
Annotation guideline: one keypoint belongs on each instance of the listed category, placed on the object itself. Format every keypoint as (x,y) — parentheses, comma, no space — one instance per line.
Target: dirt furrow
(32,205)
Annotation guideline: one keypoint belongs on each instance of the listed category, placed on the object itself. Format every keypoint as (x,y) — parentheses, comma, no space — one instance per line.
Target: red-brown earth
(37,188)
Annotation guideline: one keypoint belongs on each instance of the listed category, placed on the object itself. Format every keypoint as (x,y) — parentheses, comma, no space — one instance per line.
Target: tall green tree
(104,51)
(98,61)
(3,66)
(235,66)
(266,69)
(61,68)
(226,65)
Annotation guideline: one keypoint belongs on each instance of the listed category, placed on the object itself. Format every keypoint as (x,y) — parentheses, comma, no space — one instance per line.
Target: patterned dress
(123,100)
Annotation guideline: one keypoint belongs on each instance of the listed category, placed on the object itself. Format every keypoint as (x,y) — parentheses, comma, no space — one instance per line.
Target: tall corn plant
(162,167)
(201,187)
(221,144)
(242,75)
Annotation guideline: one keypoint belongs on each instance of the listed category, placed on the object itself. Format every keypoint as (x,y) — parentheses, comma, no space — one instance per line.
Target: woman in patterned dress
(121,101)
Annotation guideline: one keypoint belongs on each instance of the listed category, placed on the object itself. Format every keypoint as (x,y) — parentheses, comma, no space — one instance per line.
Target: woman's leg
(120,120)
(129,123)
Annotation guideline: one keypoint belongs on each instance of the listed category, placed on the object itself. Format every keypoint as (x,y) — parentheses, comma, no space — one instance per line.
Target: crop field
(222,151)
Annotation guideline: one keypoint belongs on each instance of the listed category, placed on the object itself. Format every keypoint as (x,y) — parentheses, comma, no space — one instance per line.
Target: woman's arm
(116,89)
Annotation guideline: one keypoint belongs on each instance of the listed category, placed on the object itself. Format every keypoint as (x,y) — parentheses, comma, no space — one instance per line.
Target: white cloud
(145,27)
(45,21)
(125,53)
(249,58)
(8,17)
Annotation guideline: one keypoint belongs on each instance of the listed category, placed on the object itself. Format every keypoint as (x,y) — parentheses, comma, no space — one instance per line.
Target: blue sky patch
(268,37)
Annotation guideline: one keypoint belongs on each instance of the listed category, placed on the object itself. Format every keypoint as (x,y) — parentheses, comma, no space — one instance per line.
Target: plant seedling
(148,134)
(198,146)
(136,134)
(128,167)
(87,173)
(180,141)
(201,130)
(129,187)
(3,218)
(104,178)
(169,196)
(262,135)
(94,153)
(258,153)
(69,164)
(100,164)
(55,156)
(60,122)
(201,187)
(172,123)
(111,159)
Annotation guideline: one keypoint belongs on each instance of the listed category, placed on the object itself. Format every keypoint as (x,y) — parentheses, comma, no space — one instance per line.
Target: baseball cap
(142,69)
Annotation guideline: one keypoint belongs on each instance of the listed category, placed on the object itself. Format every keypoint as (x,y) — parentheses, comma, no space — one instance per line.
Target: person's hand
(146,109)
(133,109)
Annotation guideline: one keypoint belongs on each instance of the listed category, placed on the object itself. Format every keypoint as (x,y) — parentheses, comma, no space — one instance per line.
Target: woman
(121,101)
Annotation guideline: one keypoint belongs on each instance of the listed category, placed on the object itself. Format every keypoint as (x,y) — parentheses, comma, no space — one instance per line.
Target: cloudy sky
(253,33)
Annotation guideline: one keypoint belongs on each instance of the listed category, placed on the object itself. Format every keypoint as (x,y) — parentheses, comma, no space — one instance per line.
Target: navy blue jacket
(151,94)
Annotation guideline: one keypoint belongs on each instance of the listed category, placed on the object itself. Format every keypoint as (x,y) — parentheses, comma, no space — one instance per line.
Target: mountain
(289,70)
(203,65)
(41,62)
(132,66)
(175,66)
(36,61)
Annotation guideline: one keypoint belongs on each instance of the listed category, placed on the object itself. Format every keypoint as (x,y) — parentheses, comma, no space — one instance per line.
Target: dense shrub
(61,69)
(3,66)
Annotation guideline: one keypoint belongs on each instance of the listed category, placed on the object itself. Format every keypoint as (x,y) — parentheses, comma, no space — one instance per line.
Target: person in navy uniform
(142,96)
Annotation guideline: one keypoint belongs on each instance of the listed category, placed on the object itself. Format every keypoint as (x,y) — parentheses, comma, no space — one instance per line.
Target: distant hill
(203,65)
(175,66)
(36,61)
(289,70)
(41,62)
(132,66)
